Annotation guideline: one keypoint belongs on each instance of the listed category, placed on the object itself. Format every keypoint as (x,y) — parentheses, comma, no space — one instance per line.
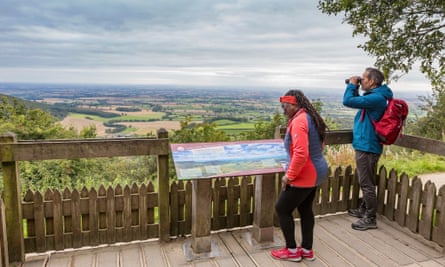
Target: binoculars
(359,80)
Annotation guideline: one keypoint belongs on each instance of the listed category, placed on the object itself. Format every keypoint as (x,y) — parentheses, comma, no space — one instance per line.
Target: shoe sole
(309,259)
(363,228)
(288,259)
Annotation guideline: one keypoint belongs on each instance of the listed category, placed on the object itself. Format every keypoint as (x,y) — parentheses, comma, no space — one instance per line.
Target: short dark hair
(376,75)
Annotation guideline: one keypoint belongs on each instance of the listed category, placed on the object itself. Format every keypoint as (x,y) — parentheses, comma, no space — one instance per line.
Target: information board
(221,159)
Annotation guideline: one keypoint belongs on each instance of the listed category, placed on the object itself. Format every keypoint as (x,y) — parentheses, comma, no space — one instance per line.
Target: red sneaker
(285,254)
(309,255)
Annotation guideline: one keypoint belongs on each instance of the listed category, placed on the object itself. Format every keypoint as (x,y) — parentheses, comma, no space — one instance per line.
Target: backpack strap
(362,116)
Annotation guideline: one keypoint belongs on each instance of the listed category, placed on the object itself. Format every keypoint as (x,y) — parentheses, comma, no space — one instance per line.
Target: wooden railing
(70,219)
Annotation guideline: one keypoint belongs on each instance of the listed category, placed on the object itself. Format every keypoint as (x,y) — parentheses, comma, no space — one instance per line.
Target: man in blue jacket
(372,103)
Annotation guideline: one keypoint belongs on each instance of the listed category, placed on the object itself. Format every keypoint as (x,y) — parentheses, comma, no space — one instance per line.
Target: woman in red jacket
(305,170)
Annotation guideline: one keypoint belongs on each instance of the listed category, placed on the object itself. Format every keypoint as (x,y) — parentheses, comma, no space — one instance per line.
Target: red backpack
(389,127)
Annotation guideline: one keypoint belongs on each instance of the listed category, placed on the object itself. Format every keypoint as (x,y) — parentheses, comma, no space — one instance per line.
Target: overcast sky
(255,43)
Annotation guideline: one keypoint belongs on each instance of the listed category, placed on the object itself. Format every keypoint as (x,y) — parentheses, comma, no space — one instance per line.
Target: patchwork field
(139,128)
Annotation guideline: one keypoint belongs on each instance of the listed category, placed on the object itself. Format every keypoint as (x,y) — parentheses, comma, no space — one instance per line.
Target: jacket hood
(384,90)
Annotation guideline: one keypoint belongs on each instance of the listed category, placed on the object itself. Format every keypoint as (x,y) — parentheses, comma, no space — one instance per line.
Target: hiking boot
(285,254)
(306,254)
(365,223)
(358,212)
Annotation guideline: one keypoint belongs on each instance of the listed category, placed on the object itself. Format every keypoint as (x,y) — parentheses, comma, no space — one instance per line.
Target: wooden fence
(70,219)
(56,220)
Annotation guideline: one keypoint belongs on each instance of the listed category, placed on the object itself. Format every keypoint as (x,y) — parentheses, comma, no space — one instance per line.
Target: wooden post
(163,193)
(262,230)
(12,200)
(201,215)
(4,257)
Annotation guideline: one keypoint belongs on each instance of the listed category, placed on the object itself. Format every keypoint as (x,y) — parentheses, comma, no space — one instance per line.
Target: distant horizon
(341,86)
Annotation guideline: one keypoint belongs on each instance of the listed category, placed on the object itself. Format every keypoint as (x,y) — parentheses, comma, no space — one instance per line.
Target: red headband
(288,99)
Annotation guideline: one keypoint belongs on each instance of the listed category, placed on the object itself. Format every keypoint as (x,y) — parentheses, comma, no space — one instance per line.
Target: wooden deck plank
(344,232)
(35,263)
(395,242)
(335,244)
(59,261)
(153,254)
(174,254)
(225,258)
(236,250)
(131,256)
(374,239)
(409,240)
(326,255)
(339,246)
(108,258)
(82,260)
(430,263)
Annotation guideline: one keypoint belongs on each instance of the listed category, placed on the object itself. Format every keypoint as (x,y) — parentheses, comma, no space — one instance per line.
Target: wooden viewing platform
(335,244)
(228,221)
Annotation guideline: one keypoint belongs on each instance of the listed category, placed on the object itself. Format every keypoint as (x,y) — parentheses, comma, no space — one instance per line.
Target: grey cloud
(213,41)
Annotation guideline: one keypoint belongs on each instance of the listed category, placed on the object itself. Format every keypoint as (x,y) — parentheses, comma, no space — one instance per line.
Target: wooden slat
(58,220)
(335,191)
(188,207)
(143,211)
(39,222)
(412,220)
(246,199)
(127,214)
(391,195)
(218,199)
(174,209)
(102,217)
(402,203)
(84,217)
(74,149)
(232,202)
(428,205)
(111,216)
(4,257)
(75,218)
(438,234)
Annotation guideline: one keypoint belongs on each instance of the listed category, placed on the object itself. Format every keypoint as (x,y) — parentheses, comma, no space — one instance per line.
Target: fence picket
(391,193)
(381,189)
(174,211)
(438,231)
(67,217)
(412,220)
(402,202)
(75,215)
(143,211)
(102,208)
(39,222)
(49,219)
(93,216)
(246,198)
(58,221)
(127,214)
(111,216)
(427,206)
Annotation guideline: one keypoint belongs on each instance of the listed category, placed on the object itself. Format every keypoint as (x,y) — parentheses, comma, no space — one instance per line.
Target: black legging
(300,198)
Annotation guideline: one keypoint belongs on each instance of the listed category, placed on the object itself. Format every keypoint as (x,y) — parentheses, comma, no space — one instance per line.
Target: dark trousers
(300,198)
(367,170)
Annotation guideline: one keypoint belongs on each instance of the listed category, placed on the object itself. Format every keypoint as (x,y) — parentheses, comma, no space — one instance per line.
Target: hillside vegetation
(200,116)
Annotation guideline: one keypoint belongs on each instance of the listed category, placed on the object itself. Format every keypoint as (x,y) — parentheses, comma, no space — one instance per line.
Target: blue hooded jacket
(374,102)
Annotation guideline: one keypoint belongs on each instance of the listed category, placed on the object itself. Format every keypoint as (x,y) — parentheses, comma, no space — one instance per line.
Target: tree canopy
(400,33)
